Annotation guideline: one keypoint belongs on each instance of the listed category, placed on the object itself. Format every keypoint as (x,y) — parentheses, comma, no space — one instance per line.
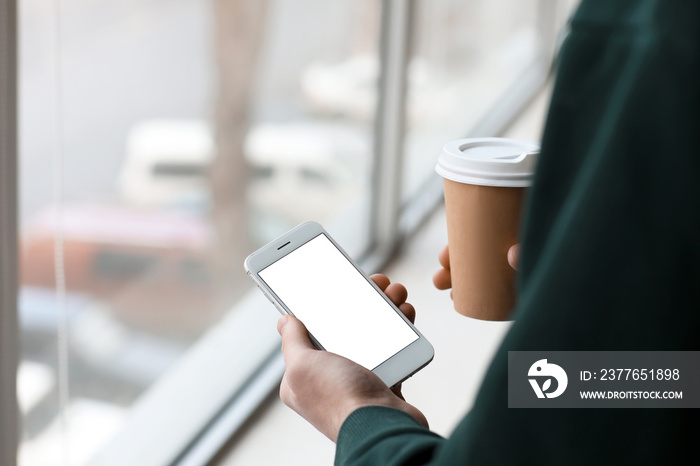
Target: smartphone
(307,274)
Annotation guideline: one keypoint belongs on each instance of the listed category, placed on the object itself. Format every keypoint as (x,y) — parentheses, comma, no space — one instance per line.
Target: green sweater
(610,257)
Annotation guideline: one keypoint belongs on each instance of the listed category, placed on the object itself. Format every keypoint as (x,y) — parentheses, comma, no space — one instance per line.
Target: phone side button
(269,298)
(267,295)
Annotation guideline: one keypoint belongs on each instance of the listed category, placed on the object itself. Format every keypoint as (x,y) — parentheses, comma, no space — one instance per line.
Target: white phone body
(305,273)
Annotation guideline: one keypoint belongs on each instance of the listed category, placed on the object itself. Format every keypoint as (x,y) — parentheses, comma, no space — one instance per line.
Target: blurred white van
(165,162)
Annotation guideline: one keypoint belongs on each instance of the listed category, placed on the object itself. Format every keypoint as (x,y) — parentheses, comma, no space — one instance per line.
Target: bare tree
(240,26)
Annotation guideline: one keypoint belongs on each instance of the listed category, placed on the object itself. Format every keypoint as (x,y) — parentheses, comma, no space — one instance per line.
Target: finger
(295,337)
(514,256)
(442,279)
(397,391)
(286,393)
(409,311)
(444,257)
(397,293)
(381,280)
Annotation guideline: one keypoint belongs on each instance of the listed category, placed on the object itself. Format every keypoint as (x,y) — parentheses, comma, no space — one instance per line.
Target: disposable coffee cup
(485,181)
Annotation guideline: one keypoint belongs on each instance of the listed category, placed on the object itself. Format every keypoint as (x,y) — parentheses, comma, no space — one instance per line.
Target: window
(162,142)
(464,59)
(190,133)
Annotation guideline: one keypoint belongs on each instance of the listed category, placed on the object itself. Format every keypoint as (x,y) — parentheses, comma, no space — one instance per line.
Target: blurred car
(305,169)
(108,362)
(302,169)
(166,162)
(152,268)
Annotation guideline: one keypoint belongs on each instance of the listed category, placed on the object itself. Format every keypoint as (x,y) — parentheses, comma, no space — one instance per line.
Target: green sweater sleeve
(401,440)
(610,251)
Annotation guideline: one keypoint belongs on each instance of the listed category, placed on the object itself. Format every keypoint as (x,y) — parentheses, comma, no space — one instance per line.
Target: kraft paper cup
(485,181)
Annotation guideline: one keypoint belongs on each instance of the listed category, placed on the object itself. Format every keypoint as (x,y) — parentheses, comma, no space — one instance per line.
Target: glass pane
(466,54)
(313,114)
(193,132)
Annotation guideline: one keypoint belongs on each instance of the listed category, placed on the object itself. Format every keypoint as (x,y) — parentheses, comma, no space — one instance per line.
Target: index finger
(381,280)
(444,257)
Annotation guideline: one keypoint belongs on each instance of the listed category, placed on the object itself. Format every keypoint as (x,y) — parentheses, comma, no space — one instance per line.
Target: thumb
(295,337)
(514,256)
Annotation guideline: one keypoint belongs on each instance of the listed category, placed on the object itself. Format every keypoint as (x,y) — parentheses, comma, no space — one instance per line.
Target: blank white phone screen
(345,314)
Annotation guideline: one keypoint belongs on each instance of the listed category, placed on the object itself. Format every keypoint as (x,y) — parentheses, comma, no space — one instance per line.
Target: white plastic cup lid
(489,161)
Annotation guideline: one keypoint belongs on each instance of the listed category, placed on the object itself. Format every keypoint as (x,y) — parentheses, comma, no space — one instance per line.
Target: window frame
(180,420)
(9,341)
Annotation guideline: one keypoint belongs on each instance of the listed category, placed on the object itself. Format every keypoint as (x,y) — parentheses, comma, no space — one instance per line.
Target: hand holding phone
(306,274)
(325,388)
